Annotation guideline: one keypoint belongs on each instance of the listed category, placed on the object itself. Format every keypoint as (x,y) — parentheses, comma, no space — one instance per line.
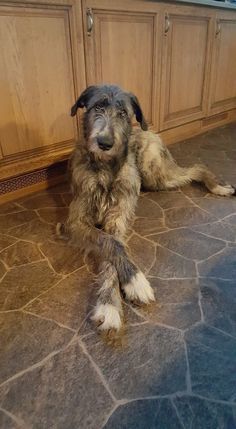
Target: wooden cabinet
(223,71)
(185,65)
(38,83)
(180,61)
(122,47)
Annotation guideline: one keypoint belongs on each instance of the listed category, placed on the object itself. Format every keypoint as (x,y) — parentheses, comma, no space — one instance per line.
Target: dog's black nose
(104,142)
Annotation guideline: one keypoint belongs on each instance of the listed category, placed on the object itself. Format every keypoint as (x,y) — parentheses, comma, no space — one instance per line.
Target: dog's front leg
(108,310)
(118,271)
(132,281)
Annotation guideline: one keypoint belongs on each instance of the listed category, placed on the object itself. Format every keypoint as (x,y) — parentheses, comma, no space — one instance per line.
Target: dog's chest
(102,196)
(106,192)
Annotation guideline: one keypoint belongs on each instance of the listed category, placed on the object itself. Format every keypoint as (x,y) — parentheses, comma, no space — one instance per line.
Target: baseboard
(17,187)
(195,128)
(43,178)
(34,160)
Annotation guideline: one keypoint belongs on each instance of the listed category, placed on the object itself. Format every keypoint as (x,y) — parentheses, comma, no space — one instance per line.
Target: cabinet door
(185,67)
(37,87)
(223,73)
(122,49)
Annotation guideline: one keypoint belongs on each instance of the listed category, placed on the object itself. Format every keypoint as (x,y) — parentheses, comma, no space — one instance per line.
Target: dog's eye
(99,108)
(123,113)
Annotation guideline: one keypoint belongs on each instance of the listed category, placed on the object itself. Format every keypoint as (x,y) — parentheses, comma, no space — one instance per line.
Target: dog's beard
(118,152)
(98,154)
(112,159)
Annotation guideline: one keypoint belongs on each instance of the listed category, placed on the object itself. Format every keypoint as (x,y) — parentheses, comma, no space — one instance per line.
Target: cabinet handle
(89,14)
(167,23)
(218,28)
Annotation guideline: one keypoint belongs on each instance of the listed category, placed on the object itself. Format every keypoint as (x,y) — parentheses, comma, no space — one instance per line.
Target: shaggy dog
(108,168)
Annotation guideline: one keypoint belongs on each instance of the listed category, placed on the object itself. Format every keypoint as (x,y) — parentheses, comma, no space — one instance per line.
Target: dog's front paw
(61,231)
(139,289)
(107,317)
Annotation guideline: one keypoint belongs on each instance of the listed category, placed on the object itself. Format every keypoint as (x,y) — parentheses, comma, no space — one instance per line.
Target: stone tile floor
(174,364)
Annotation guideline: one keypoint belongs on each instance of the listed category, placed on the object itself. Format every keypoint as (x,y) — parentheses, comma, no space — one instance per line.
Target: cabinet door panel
(36,83)
(185,65)
(122,50)
(223,88)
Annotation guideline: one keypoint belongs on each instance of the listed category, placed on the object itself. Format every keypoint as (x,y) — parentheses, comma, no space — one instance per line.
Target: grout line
(7,268)
(177,413)
(212,236)
(41,219)
(16,310)
(10,245)
(39,316)
(37,261)
(221,332)
(17,226)
(4,275)
(188,372)
(201,261)
(97,369)
(206,211)
(216,278)
(41,362)
(200,305)
(153,262)
(49,262)
(109,415)
(172,278)
(19,422)
(51,287)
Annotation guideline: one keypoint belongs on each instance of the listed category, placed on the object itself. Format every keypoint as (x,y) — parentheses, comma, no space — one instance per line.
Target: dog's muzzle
(104,142)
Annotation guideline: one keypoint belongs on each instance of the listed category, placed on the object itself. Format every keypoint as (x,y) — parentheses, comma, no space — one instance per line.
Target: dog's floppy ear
(138,112)
(83,99)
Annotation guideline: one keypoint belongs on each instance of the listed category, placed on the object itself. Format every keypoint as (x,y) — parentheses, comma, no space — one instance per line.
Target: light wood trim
(170,119)
(156,99)
(40,4)
(78,57)
(197,127)
(43,156)
(25,165)
(180,133)
(123,5)
(169,137)
(94,67)
(35,114)
(1,155)
(214,107)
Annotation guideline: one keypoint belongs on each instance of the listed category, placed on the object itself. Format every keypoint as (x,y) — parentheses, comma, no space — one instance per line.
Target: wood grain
(124,49)
(36,80)
(223,81)
(185,67)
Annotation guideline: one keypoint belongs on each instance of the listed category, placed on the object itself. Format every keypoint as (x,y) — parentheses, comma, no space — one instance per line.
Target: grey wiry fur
(108,167)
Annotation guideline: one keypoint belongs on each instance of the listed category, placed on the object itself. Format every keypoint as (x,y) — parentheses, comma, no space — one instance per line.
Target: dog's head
(108,119)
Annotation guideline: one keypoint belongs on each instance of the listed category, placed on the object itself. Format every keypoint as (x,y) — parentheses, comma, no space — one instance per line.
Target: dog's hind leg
(199,173)
(179,176)
(108,311)
(159,171)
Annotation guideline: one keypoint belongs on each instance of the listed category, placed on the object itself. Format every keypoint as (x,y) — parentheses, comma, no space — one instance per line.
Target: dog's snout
(104,142)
